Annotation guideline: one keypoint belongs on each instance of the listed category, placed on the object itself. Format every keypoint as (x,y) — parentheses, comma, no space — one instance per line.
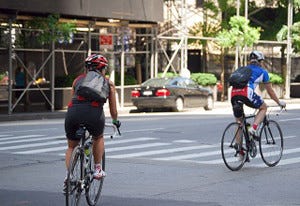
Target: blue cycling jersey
(259,75)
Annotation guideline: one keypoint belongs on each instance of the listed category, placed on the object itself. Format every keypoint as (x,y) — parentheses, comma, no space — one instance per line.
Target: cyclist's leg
(238,112)
(256,101)
(98,151)
(96,128)
(72,121)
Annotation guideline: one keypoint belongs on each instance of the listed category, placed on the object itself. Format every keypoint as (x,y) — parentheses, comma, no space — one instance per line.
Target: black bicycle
(80,173)
(237,145)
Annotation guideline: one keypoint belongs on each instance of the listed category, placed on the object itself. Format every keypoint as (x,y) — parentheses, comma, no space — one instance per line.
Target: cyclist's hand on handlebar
(282,104)
(117,123)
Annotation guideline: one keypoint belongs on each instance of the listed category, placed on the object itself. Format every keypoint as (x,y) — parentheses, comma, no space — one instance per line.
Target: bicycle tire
(93,191)
(74,177)
(231,151)
(271,143)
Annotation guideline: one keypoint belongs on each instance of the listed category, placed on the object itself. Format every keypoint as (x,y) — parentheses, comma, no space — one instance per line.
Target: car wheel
(179,105)
(210,103)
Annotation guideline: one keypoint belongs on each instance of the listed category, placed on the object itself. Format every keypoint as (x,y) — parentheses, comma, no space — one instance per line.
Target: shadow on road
(36,198)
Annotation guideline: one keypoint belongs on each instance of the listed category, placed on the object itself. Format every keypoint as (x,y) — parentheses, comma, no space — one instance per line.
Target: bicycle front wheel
(74,188)
(233,147)
(271,143)
(93,192)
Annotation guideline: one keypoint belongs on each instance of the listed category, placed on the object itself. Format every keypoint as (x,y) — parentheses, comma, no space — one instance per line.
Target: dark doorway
(194,60)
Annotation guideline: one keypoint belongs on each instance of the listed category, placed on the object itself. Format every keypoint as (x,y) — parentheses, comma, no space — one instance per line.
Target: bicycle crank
(252,149)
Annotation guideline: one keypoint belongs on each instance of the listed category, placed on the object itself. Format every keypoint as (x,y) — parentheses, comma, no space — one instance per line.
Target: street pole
(289,50)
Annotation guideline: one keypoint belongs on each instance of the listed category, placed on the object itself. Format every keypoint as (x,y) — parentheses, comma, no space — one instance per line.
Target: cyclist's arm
(112,101)
(271,92)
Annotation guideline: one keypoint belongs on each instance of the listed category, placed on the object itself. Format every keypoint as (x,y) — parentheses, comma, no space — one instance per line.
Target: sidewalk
(219,108)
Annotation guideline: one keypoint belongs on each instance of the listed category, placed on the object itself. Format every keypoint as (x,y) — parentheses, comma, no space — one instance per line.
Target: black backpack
(240,77)
(94,87)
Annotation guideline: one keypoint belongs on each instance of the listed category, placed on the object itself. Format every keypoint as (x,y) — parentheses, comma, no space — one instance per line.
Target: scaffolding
(174,32)
(130,42)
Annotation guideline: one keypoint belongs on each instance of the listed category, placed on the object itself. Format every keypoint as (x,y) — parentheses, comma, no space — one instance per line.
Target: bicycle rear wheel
(233,147)
(74,188)
(93,191)
(271,143)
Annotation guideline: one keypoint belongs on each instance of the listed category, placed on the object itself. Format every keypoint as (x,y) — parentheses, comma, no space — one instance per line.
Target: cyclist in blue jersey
(247,95)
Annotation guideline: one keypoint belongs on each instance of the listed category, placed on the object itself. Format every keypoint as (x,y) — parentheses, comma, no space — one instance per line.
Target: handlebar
(116,130)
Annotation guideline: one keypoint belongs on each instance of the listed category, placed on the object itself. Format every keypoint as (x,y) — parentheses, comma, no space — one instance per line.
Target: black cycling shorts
(237,103)
(92,117)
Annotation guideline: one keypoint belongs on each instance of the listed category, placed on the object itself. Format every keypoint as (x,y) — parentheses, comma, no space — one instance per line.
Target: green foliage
(2,75)
(52,29)
(276,78)
(128,80)
(295,34)
(64,81)
(240,33)
(204,79)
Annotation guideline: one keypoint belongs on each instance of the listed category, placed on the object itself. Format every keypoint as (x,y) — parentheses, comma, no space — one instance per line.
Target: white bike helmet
(256,55)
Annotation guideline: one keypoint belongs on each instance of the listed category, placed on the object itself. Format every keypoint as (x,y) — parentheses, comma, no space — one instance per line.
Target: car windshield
(159,82)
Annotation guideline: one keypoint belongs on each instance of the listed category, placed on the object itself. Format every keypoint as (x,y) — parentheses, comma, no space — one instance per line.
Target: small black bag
(94,87)
(240,77)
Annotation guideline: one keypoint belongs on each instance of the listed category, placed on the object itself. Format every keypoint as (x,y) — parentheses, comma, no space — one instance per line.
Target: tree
(52,29)
(240,35)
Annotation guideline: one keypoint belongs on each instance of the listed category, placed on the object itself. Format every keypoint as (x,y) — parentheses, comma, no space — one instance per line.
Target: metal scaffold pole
(289,50)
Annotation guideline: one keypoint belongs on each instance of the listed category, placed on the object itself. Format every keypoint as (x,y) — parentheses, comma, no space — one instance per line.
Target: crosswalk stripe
(52,149)
(220,160)
(4,135)
(109,143)
(190,156)
(32,145)
(21,137)
(289,161)
(140,146)
(163,151)
(31,140)
(115,145)
(121,141)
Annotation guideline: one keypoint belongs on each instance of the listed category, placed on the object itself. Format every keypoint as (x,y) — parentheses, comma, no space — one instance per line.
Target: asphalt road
(161,159)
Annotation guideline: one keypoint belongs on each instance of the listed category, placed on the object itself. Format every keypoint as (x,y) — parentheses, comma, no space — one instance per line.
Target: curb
(129,111)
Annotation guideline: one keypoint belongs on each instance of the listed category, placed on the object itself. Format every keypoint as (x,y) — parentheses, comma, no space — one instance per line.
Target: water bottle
(87,151)
(248,127)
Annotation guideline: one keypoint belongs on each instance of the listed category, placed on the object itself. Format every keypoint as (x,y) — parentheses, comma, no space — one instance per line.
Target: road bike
(238,146)
(80,173)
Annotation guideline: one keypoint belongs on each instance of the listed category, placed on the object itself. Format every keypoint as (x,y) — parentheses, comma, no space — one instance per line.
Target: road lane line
(31,140)
(21,137)
(190,156)
(33,145)
(121,141)
(140,146)
(52,149)
(163,151)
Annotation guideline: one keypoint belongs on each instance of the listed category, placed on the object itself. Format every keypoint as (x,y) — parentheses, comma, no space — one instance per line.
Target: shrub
(64,81)
(128,80)
(204,79)
(276,78)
